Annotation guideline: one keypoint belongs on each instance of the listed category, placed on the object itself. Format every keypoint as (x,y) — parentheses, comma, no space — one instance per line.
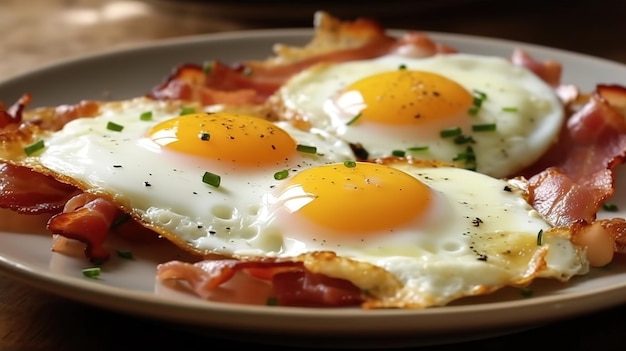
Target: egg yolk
(405,97)
(355,200)
(242,139)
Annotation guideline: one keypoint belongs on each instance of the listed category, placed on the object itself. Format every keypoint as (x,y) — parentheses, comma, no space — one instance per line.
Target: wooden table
(31,319)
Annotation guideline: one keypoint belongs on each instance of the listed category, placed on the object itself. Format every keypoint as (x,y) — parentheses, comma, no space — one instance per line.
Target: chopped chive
(487,127)
(204,136)
(146,116)
(353,120)
(398,153)
(306,148)
(207,67)
(247,71)
(479,96)
(418,148)
(281,174)
(34,147)
(93,272)
(610,207)
(451,132)
(211,179)
(473,111)
(540,237)
(477,102)
(526,292)
(402,67)
(114,126)
(509,109)
(187,111)
(126,254)
(120,220)
(462,156)
(463,139)
(272,301)
(349,163)
(469,157)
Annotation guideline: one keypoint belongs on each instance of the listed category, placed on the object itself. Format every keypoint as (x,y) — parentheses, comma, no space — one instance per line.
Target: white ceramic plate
(129,285)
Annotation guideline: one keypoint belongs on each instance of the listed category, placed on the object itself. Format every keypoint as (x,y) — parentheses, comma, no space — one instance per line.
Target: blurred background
(38,32)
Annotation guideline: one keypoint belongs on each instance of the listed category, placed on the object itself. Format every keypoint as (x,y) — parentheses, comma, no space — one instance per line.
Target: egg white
(164,190)
(521,137)
(479,235)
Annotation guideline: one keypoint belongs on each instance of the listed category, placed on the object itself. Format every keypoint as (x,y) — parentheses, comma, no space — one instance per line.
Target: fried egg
(412,234)
(441,232)
(181,173)
(479,112)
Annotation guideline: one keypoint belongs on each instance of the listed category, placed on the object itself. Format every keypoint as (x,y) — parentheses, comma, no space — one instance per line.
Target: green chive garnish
(353,120)
(272,301)
(402,67)
(187,111)
(146,116)
(487,127)
(610,207)
(92,273)
(306,149)
(281,174)
(418,148)
(526,292)
(540,237)
(34,147)
(125,254)
(398,153)
(205,136)
(509,109)
(469,157)
(473,111)
(120,220)
(114,126)
(207,67)
(247,71)
(451,132)
(479,97)
(477,102)
(211,179)
(463,139)
(349,163)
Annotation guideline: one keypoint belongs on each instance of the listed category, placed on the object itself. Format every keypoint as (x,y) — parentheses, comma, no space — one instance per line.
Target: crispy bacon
(292,284)
(576,176)
(13,114)
(617,229)
(549,70)
(252,82)
(52,119)
(28,192)
(88,219)
(55,119)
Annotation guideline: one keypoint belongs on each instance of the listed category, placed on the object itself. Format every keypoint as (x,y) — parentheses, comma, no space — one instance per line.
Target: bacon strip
(88,219)
(575,177)
(549,70)
(252,82)
(13,115)
(617,229)
(292,284)
(28,192)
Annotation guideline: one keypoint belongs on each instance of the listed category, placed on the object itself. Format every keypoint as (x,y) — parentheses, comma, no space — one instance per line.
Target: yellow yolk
(356,200)
(406,97)
(245,140)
